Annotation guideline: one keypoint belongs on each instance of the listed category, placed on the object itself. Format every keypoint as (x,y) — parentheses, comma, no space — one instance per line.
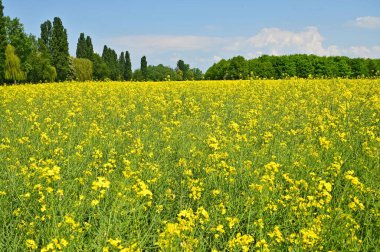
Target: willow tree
(13,70)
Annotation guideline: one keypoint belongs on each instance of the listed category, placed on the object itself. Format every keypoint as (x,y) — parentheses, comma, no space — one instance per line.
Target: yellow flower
(276,234)
(94,202)
(241,241)
(31,244)
(100,183)
(232,221)
(325,144)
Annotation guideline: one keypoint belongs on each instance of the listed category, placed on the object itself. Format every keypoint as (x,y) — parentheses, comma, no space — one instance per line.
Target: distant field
(288,165)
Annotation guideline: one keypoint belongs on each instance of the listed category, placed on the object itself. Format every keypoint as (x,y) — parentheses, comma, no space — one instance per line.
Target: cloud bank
(202,51)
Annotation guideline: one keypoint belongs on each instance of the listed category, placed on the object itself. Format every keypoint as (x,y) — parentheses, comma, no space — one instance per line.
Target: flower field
(263,165)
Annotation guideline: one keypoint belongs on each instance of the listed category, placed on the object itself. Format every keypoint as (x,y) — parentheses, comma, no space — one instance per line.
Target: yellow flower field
(263,165)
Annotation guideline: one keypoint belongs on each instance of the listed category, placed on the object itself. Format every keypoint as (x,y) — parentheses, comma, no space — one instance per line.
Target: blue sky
(202,32)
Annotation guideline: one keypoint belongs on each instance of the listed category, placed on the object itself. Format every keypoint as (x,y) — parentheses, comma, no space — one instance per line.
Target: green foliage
(22,42)
(81,47)
(101,70)
(83,69)
(60,50)
(144,68)
(196,74)
(41,69)
(3,42)
(46,36)
(299,65)
(85,49)
(238,68)
(122,66)
(109,56)
(137,75)
(13,70)
(162,73)
(218,71)
(89,48)
(184,69)
(128,67)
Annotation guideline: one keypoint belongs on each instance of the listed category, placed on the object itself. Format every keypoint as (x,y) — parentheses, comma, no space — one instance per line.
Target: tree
(122,65)
(3,43)
(196,74)
(128,67)
(22,42)
(218,71)
(85,50)
(137,75)
(41,69)
(81,51)
(46,37)
(144,68)
(90,48)
(184,68)
(13,70)
(304,67)
(160,73)
(109,56)
(60,57)
(83,69)
(100,68)
(238,68)
(371,68)
(358,68)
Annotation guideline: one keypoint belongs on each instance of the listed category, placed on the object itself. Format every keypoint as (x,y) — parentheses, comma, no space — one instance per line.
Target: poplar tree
(128,67)
(144,68)
(109,56)
(122,65)
(3,42)
(81,51)
(60,50)
(89,48)
(46,35)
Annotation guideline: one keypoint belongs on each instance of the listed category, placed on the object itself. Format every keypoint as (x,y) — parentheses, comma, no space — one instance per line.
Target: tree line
(26,58)
(297,65)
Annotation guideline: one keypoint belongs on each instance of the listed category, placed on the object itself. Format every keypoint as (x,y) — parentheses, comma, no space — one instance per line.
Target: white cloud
(370,22)
(203,51)
(309,41)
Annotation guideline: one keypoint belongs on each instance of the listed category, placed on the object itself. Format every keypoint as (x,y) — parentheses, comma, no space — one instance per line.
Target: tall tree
(60,50)
(13,70)
(3,42)
(109,56)
(81,51)
(144,68)
(90,48)
(122,66)
(46,37)
(128,67)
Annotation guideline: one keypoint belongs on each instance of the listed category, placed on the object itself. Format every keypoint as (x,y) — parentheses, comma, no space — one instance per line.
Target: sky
(201,32)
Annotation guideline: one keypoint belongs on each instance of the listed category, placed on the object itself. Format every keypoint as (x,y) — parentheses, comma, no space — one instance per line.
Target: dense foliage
(300,65)
(261,165)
